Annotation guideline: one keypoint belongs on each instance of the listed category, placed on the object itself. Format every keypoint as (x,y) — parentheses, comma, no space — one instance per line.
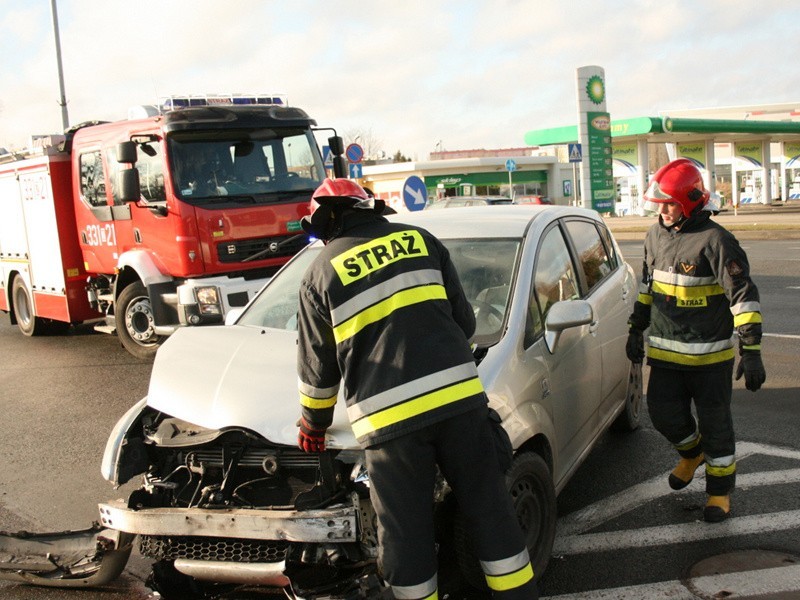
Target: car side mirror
(565,315)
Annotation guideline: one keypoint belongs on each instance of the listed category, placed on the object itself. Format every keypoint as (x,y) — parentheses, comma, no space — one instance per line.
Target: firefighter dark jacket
(382,313)
(695,290)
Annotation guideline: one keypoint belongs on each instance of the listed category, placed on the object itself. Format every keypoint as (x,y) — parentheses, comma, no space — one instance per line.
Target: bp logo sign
(596,89)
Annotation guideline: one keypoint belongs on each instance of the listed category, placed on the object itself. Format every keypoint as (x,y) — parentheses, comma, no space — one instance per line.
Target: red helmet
(678,181)
(341,191)
(332,193)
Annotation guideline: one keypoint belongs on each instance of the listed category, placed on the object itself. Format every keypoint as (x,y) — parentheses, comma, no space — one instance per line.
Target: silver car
(227,498)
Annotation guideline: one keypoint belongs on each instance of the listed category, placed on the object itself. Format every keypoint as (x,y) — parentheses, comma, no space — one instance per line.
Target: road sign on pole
(356,170)
(575,154)
(511,165)
(354,153)
(415,194)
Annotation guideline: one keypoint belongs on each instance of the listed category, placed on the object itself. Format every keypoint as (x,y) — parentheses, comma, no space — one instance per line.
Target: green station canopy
(654,125)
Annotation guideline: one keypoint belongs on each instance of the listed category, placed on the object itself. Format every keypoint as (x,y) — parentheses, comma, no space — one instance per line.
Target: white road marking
(728,585)
(789,336)
(618,504)
(671,534)
(571,538)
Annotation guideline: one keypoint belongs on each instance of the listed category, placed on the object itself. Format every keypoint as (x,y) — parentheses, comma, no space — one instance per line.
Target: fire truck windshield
(259,166)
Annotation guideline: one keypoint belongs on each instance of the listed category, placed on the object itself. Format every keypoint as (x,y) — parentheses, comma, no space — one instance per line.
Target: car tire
(530,484)
(628,419)
(134,322)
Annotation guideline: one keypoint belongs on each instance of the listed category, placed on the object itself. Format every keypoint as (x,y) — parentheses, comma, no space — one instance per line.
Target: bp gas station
(746,154)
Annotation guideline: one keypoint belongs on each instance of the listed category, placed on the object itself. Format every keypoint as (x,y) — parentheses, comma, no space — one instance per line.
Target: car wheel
(135,322)
(628,419)
(530,484)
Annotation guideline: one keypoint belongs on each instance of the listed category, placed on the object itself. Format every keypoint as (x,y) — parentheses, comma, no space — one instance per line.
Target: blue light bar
(178,102)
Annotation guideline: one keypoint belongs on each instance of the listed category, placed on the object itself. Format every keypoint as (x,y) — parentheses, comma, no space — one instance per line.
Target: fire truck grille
(160,547)
(270,247)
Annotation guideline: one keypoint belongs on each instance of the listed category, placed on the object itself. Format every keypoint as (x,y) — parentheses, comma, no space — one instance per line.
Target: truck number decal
(101,235)
(34,188)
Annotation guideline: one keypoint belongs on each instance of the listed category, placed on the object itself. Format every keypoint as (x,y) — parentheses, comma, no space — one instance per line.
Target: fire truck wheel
(28,323)
(135,322)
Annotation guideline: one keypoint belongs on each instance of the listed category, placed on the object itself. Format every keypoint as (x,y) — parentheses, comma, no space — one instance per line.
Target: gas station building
(748,154)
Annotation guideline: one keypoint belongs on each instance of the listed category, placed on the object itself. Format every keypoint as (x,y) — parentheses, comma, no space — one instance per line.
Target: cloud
(472,74)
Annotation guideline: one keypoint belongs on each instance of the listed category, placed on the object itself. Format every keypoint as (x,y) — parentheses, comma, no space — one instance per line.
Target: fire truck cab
(180,213)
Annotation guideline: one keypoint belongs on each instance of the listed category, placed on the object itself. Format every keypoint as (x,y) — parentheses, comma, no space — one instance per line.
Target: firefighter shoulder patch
(688,269)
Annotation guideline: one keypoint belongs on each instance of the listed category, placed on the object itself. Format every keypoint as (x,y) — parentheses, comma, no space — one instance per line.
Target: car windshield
(485,268)
(253,166)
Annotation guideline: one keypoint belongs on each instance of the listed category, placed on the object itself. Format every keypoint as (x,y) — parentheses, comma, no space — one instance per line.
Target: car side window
(554,280)
(591,253)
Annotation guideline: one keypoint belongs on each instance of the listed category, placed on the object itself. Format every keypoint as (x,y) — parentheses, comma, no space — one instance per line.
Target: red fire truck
(169,218)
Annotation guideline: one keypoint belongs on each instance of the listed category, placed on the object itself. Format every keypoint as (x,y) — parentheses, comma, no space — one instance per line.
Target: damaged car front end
(232,500)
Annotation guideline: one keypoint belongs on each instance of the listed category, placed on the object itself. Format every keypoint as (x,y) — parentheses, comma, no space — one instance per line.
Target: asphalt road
(622,532)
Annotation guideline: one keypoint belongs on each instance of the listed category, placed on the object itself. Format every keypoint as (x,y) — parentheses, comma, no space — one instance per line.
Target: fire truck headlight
(208,300)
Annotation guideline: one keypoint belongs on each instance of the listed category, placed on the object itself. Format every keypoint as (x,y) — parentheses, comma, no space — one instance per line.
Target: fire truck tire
(28,323)
(531,486)
(135,323)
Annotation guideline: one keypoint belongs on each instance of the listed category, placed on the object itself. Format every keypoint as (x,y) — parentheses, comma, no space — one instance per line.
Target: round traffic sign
(354,153)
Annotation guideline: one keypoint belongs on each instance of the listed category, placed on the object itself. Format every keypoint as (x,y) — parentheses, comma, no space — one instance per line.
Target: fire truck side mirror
(126,152)
(128,185)
(336,144)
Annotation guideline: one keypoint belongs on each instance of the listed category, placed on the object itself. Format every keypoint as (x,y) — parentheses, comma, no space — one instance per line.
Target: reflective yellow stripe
(678,291)
(310,402)
(383,309)
(748,317)
(690,444)
(688,359)
(645,299)
(720,471)
(754,347)
(417,406)
(501,583)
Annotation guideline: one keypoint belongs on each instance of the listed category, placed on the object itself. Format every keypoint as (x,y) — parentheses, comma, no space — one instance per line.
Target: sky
(413,76)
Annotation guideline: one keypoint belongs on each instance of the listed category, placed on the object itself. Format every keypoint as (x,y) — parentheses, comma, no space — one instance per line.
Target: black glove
(635,346)
(752,368)
(310,439)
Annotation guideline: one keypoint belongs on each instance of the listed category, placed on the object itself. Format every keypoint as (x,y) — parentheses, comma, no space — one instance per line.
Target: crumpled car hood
(236,376)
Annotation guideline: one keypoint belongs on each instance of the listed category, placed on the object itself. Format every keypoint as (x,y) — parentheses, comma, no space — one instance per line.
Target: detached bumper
(86,558)
(338,523)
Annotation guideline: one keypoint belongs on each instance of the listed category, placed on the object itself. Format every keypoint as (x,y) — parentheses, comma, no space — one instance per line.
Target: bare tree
(366,139)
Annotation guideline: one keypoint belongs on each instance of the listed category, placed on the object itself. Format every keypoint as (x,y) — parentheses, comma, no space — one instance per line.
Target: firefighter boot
(718,508)
(683,474)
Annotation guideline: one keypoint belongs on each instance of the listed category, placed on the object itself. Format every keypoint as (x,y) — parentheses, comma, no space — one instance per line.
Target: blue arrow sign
(415,194)
(511,165)
(356,170)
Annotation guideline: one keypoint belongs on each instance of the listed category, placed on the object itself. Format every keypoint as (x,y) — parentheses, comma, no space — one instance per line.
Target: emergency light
(177,102)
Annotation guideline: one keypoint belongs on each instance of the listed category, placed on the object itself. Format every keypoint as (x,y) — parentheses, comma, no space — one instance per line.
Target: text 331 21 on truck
(169,218)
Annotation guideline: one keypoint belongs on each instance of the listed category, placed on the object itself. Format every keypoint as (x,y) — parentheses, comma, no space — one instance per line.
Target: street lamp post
(63,98)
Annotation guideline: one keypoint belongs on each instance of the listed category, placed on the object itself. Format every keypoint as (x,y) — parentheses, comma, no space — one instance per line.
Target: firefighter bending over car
(382,313)
(695,290)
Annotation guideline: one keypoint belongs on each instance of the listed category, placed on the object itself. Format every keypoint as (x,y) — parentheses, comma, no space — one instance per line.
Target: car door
(605,286)
(573,386)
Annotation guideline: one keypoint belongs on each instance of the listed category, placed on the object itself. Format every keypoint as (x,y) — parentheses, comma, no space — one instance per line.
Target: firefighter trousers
(670,393)
(402,478)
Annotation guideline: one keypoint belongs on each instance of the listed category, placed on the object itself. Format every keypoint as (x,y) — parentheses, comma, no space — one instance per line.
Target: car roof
(504,221)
